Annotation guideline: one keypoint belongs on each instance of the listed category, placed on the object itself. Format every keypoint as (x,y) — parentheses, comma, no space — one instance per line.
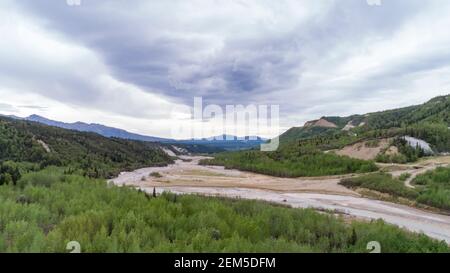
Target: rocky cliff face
(320,123)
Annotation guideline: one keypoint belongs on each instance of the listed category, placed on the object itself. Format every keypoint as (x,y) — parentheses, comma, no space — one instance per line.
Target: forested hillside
(434,113)
(97,156)
(298,133)
(436,110)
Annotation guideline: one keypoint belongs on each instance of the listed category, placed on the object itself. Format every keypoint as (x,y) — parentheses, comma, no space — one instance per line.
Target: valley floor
(187,177)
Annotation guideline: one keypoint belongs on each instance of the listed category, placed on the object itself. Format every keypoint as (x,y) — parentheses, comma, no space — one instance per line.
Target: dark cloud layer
(311,57)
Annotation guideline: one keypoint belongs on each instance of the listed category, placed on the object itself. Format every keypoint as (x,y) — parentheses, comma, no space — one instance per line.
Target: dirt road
(187,176)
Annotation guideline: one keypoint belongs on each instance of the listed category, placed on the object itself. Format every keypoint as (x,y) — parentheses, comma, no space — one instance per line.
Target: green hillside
(298,133)
(97,156)
(435,111)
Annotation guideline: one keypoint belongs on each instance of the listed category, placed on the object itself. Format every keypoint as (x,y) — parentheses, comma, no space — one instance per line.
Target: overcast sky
(129,63)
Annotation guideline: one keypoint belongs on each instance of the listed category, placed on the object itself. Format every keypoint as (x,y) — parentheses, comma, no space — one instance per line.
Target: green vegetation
(393,158)
(429,122)
(431,188)
(436,134)
(323,142)
(404,176)
(47,209)
(434,111)
(373,143)
(304,158)
(284,163)
(156,175)
(297,133)
(406,153)
(97,156)
(381,182)
(434,187)
(301,148)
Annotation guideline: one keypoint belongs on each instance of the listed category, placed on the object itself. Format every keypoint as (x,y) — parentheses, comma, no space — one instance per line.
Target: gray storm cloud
(312,58)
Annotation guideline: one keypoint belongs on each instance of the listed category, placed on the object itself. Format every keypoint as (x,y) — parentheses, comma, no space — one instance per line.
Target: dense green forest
(45,210)
(436,134)
(97,156)
(406,153)
(431,188)
(436,110)
(291,163)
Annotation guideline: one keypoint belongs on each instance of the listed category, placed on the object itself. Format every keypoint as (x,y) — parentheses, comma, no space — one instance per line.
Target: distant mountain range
(227,142)
(95,128)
